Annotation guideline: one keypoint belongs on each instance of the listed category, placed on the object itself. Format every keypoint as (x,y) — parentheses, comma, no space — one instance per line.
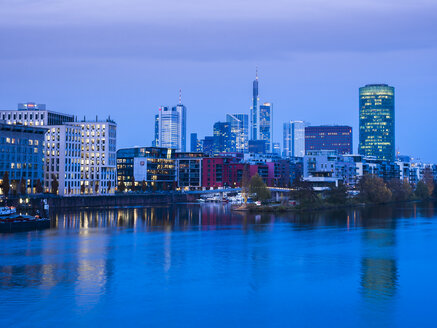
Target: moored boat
(18,222)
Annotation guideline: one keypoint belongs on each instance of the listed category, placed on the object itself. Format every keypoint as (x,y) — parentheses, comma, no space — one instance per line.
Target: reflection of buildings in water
(379,271)
(93,269)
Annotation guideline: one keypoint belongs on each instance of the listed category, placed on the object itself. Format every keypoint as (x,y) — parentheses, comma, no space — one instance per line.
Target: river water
(192,265)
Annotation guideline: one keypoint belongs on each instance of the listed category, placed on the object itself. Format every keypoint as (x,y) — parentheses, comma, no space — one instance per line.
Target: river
(191,265)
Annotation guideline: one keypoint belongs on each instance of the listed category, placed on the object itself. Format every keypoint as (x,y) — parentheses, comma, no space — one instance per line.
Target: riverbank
(277,208)
(36,202)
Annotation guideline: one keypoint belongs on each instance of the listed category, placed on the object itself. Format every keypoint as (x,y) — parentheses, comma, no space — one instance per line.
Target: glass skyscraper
(240,129)
(172,127)
(377,121)
(254,111)
(294,139)
(224,139)
(266,125)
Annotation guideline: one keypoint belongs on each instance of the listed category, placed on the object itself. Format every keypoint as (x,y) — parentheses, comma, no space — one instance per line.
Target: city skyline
(117,63)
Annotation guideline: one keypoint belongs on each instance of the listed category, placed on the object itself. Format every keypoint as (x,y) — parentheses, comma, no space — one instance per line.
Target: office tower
(266,125)
(257,146)
(155,141)
(276,148)
(172,127)
(194,142)
(22,154)
(377,121)
(224,139)
(294,139)
(208,145)
(329,137)
(240,128)
(254,111)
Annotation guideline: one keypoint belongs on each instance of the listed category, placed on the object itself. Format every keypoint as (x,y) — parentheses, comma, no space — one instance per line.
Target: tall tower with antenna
(254,110)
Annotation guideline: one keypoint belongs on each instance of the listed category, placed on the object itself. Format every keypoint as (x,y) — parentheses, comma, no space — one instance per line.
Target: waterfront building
(62,159)
(224,139)
(240,128)
(377,121)
(171,127)
(21,156)
(189,170)
(146,168)
(266,125)
(98,156)
(329,137)
(34,115)
(294,139)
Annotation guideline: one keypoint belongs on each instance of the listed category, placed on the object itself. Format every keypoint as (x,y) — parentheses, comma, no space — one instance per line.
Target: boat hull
(24,225)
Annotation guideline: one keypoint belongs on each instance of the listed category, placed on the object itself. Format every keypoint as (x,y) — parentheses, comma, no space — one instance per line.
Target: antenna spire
(180,96)
(256,76)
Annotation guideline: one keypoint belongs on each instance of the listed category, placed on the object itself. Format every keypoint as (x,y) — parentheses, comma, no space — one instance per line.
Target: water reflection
(158,256)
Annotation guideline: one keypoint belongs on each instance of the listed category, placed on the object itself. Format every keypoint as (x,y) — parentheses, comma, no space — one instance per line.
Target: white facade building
(62,159)
(98,157)
(172,127)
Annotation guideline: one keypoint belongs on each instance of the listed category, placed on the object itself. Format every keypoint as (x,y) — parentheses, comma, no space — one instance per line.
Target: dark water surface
(203,266)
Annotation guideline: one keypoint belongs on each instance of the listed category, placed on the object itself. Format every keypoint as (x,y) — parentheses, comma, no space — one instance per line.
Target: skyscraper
(329,137)
(294,139)
(172,127)
(377,121)
(254,111)
(196,145)
(240,128)
(266,125)
(224,139)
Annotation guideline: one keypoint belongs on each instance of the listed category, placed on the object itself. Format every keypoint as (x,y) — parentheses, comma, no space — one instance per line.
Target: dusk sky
(125,58)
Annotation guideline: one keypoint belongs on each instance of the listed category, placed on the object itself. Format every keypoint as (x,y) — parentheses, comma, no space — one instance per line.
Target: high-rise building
(172,127)
(156,137)
(377,121)
(266,125)
(329,137)
(224,139)
(254,111)
(196,145)
(276,148)
(208,145)
(294,139)
(240,128)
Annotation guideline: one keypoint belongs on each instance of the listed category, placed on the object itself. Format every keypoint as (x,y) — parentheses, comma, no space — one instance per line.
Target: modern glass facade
(21,156)
(294,139)
(327,137)
(240,128)
(254,111)
(377,121)
(266,125)
(224,139)
(172,127)
(153,166)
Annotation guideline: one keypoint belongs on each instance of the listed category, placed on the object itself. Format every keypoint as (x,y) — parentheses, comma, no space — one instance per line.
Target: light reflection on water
(203,265)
